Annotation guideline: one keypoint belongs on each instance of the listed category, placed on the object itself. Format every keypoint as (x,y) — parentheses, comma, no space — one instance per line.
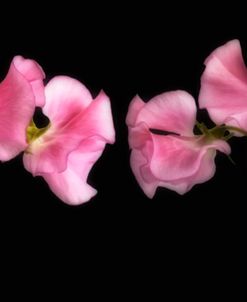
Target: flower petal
(98,120)
(174,157)
(224,84)
(16,110)
(139,136)
(34,74)
(135,107)
(137,163)
(205,171)
(49,153)
(147,181)
(177,158)
(71,185)
(171,111)
(142,143)
(65,98)
(173,162)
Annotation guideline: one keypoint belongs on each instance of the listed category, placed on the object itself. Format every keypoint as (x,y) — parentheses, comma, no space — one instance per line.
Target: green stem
(232,128)
(219,131)
(202,128)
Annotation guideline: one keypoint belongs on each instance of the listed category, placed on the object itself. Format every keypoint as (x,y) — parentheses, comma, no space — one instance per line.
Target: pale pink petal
(49,153)
(16,110)
(98,120)
(139,135)
(34,74)
(138,162)
(238,120)
(173,162)
(205,171)
(65,99)
(135,107)
(224,84)
(176,158)
(141,141)
(180,186)
(147,181)
(71,185)
(171,111)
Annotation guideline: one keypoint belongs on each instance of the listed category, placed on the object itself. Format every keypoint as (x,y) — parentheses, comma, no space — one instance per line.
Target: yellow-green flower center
(33,132)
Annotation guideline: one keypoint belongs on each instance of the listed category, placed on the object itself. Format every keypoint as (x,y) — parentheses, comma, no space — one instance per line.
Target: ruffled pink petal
(224,84)
(140,162)
(205,171)
(49,153)
(171,111)
(135,107)
(98,120)
(148,182)
(176,158)
(34,74)
(71,185)
(16,110)
(238,120)
(137,163)
(139,135)
(173,162)
(65,99)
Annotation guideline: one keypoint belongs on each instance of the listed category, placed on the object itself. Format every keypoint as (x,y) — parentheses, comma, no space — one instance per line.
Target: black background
(125,50)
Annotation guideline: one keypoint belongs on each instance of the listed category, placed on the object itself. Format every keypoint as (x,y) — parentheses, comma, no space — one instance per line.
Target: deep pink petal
(224,85)
(16,110)
(49,153)
(34,74)
(135,107)
(71,185)
(171,111)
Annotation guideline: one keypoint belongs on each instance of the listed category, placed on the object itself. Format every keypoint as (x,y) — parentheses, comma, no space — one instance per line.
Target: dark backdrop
(125,51)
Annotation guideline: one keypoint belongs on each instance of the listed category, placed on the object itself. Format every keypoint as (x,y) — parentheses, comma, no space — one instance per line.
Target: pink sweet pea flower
(224,86)
(64,153)
(19,92)
(178,160)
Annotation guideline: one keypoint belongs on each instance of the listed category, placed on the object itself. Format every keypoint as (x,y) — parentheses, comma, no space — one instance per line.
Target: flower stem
(232,128)
(219,131)
(202,128)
